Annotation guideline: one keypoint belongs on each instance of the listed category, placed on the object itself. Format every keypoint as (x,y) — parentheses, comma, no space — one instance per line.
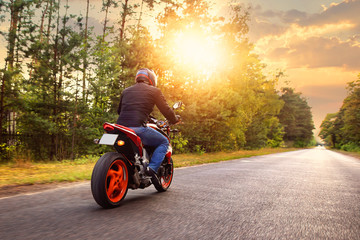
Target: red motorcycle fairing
(109,127)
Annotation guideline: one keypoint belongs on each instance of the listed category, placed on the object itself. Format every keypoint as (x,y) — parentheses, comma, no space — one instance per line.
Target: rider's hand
(178,119)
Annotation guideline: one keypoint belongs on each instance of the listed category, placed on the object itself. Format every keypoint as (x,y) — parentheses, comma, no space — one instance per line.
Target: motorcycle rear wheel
(166,178)
(110,180)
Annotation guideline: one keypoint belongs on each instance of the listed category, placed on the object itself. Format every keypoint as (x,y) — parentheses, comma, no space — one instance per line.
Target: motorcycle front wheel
(110,180)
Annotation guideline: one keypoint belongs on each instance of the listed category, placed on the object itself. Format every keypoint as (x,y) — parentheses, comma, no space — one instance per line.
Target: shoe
(154,178)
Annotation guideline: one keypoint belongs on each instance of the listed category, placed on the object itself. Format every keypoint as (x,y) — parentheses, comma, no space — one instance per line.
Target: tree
(329,131)
(351,107)
(296,118)
(10,71)
(341,130)
(50,94)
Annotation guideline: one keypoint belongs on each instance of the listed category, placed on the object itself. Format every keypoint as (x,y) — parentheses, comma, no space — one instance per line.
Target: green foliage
(329,132)
(341,130)
(6,152)
(296,118)
(350,147)
(275,133)
(198,149)
(351,117)
(179,144)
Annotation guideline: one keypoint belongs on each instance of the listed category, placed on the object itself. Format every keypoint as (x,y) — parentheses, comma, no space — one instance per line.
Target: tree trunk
(141,12)
(15,9)
(2,115)
(85,62)
(72,155)
(56,57)
(35,60)
(123,20)
(108,3)
(49,22)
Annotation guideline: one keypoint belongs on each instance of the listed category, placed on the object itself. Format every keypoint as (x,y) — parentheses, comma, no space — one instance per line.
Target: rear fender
(129,133)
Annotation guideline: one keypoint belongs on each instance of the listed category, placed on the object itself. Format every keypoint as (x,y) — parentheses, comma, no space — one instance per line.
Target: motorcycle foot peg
(146,164)
(145,183)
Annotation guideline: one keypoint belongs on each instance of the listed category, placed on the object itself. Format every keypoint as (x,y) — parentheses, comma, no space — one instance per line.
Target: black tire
(110,180)
(164,177)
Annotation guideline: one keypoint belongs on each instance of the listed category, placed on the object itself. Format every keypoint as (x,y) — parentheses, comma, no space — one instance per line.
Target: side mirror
(177,105)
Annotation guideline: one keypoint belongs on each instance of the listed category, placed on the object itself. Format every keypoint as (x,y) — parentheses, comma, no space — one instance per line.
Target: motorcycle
(115,172)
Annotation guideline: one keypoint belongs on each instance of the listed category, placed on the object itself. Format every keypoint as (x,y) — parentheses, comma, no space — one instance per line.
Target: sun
(196,51)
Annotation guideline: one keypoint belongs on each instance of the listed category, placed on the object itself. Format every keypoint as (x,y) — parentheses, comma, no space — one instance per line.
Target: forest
(341,130)
(62,78)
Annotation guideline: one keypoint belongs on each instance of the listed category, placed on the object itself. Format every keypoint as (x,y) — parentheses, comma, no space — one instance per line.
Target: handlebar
(163,125)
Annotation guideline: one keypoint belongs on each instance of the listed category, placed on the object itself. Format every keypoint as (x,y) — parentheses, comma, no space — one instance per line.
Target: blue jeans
(151,137)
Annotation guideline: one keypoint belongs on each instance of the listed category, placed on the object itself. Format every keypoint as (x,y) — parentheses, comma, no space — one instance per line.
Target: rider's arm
(164,107)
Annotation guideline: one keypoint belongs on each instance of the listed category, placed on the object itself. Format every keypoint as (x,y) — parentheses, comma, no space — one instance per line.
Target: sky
(316,43)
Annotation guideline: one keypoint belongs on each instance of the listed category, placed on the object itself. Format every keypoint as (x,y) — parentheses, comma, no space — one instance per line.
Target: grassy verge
(27,173)
(35,173)
(352,154)
(185,160)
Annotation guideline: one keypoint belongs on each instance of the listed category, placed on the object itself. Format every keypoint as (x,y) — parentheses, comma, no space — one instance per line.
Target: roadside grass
(48,172)
(185,160)
(29,173)
(352,154)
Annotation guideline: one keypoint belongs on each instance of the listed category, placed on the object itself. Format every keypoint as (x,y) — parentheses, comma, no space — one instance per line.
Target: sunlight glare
(196,52)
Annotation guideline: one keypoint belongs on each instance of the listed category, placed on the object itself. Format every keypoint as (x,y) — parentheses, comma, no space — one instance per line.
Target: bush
(199,150)
(179,144)
(6,152)
(350,147)
(304,143)
(273,143)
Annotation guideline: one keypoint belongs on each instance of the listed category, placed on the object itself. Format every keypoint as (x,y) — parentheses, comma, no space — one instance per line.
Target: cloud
(327,39)
(291,16)
(348,10)
(260,29)
(271,22)
(317,52)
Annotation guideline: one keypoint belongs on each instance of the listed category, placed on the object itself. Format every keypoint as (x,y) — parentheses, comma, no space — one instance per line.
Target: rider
(136,104)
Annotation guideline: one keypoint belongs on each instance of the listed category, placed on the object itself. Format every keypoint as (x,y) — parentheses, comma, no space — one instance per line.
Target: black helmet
(146,75)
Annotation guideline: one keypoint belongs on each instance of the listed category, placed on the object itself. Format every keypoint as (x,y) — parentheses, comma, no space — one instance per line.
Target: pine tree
(10,76)
(296,118)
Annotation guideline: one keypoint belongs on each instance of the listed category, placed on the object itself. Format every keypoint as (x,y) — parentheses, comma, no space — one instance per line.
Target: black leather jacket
(138,101)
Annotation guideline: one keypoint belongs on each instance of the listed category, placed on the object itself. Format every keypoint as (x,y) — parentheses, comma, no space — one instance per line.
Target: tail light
(108,127)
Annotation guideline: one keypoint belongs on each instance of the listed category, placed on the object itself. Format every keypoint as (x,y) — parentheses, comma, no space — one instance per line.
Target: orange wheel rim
(116,181)
(166,180)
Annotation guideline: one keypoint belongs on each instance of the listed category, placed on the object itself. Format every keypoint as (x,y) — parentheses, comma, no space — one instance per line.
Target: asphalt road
(306,194)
